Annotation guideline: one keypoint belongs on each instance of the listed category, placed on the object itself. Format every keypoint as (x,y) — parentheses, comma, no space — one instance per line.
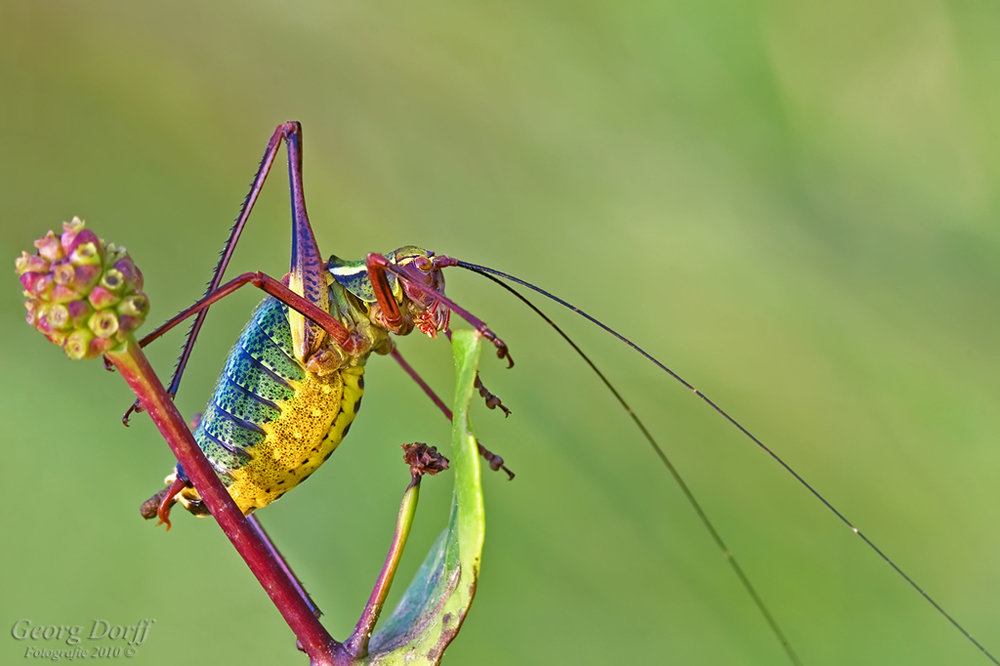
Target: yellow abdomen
(308,429)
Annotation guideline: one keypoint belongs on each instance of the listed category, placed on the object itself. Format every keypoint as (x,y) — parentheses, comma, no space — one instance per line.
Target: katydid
(290,391)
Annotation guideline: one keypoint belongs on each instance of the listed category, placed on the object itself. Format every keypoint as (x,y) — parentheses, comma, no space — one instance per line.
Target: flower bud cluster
(83,295)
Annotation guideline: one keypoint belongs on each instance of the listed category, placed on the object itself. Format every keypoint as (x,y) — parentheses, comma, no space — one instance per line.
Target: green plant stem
(313,638)
(357,644)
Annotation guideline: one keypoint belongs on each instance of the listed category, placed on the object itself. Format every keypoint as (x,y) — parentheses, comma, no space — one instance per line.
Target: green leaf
(434,606)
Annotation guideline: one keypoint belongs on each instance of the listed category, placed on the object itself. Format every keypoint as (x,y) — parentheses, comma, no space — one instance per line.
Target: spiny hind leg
(306,269)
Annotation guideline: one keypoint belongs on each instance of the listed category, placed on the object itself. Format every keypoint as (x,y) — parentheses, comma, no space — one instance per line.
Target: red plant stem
(283,563)
(313,638)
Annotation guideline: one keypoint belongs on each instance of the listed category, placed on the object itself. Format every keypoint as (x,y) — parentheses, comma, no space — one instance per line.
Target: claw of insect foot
(163,511)
(494,461)
(167,498)
(136,408)
(492,401)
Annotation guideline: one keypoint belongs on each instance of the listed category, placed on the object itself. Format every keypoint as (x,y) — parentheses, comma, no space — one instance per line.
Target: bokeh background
(792,204)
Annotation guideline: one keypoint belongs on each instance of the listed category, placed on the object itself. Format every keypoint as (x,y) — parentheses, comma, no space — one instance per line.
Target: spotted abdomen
(271,422)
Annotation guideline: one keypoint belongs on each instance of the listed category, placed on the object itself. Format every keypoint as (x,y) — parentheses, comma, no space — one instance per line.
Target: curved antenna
(494,274)
(685,489)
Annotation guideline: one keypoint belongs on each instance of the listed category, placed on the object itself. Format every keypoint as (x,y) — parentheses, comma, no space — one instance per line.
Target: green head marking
(427,314)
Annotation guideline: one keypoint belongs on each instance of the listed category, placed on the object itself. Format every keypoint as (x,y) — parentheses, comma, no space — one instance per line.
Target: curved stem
(357,644)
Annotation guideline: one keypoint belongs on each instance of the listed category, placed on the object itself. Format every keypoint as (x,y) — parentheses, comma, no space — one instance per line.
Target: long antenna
(685,489)
(490,272)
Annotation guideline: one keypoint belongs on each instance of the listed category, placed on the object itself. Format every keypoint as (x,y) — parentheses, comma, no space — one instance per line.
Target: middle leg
(495,462)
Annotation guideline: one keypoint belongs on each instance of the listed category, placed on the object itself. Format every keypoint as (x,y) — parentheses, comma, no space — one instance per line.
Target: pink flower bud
(98,346)
(31,263)
(101,298)
(127,324)
(104,323)
(59,318)
(38,285)
(86,277)
(86,253)
(78,344)
(70,230)
(113,280)
(63,272)
(28,281)
(79,312)
(130,273)
(63,294)
(50,247)
(42,318)
(136,305)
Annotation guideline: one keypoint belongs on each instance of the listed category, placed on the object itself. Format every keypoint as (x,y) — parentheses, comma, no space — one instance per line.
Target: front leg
(391,317)
(378,266)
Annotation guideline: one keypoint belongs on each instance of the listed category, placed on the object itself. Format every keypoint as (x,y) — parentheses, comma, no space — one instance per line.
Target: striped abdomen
(271,423)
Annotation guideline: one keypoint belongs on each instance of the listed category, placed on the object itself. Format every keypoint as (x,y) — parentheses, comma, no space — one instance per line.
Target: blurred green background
(792,204)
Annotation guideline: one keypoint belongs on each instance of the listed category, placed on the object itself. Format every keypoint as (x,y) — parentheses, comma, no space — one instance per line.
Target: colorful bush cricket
(289,392)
